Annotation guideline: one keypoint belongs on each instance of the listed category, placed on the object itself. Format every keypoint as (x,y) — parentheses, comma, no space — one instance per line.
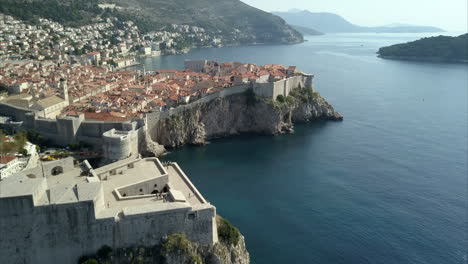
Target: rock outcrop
(242,113)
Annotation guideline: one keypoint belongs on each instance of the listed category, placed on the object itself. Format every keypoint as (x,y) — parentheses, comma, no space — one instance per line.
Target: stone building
(59,212)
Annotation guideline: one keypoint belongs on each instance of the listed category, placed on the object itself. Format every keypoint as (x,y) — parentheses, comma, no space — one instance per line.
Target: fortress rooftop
(132,185)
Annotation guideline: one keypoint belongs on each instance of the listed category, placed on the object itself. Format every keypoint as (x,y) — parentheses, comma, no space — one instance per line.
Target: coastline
(432,59)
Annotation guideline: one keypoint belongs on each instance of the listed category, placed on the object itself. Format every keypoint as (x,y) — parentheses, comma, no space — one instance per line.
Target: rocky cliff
(243,113)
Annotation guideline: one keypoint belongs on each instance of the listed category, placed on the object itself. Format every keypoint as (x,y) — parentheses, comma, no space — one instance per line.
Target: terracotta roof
(104,117)
(6,159)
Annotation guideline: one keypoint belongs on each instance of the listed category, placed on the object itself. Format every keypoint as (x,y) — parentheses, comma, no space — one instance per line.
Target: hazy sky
(447,14)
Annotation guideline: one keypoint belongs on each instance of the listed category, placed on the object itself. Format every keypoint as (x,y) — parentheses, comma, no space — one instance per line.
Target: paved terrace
(71,187)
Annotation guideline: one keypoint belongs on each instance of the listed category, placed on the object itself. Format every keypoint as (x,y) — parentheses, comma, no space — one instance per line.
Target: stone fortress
(59,211)
(122,139)
(62,210)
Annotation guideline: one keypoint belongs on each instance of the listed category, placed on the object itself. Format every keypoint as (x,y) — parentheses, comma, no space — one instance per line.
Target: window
(191,216)
(141,190)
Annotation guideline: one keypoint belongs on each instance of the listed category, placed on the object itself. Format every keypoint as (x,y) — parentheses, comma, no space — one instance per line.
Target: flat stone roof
(18,186)
(147,169)
(71,187)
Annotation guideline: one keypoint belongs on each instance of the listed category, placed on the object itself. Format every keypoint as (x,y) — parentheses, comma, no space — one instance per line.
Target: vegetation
(103,256)
(179,244)
(227,233)
(13,146)
(71,13)
(104,252)
(235,21)
(434,48)
(79,146)
(304,95)
(296,95)
(251,98)
(37,139)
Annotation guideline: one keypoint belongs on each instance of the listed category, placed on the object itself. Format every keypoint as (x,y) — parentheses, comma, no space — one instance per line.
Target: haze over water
(387,185)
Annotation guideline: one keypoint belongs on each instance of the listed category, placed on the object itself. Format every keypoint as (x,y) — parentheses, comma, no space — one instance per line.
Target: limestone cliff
(243,113)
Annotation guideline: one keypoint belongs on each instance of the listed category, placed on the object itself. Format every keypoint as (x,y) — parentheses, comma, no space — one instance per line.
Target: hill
(333,23)
(440,48)
(307,31)
(232,20)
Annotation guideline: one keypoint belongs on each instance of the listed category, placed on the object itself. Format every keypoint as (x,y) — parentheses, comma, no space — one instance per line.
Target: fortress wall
(150,228)
(267,90)
(48,126)
(264,89)
(53,234)
(203,227)
(9,207)
(62,233)
(68,127)
(117,147)
(18,113)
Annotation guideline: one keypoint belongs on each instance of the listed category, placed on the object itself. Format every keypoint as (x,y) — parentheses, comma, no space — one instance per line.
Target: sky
(451,15)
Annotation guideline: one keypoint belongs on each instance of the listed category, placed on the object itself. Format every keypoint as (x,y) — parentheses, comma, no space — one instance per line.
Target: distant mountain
(333,23)
(440,48)
(234,20)
(307,31)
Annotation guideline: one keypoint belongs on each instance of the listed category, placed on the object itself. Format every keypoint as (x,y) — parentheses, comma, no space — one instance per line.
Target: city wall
(65,130)
(267,90)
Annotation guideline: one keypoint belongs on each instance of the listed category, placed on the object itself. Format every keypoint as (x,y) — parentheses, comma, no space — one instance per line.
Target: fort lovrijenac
(64,118)
(58,212)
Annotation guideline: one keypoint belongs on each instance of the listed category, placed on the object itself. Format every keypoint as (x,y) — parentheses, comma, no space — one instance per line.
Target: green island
(441,48)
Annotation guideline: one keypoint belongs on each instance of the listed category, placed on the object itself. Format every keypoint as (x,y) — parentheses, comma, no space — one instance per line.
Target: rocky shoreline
(239,114)
(433,59)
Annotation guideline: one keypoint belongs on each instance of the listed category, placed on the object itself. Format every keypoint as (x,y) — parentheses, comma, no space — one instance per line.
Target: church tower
(64,88)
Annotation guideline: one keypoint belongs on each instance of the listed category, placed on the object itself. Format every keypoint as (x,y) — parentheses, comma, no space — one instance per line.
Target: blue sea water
(387,185)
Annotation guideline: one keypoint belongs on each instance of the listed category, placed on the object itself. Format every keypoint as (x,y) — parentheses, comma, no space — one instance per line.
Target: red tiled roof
(104,117)
(6,159)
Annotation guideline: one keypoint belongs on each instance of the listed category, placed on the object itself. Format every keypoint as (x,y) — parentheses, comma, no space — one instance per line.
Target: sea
(387,185)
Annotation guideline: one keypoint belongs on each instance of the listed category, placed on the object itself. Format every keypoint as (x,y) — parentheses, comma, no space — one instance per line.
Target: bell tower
(64,88)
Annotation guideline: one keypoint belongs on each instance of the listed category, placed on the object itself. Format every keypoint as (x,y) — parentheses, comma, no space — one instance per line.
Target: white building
(9,165)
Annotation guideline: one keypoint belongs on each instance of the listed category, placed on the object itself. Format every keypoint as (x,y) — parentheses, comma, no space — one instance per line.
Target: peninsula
(83,212)
(439,49)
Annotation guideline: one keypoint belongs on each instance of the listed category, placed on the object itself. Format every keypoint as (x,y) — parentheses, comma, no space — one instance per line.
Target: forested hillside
(235,21)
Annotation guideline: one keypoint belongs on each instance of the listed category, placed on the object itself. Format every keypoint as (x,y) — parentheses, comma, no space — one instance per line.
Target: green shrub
(227,232)
(176,243)
(179,244)
(104,252)
(88,260)
(280,98)
(23,152)
(251,98)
